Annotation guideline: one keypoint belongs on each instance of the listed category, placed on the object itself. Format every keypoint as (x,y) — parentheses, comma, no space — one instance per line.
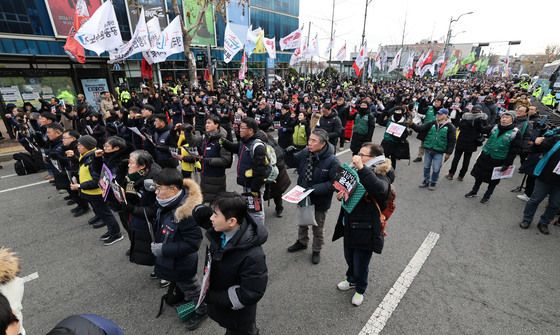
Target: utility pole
(332,27)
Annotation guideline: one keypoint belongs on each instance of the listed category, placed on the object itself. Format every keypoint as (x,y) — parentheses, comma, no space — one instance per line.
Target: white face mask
(375,161)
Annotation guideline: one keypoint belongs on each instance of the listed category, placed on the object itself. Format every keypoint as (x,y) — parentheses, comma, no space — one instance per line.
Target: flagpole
(332,27)
(364,30)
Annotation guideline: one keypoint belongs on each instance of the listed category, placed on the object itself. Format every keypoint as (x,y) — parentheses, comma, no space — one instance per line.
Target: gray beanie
(510,113)
(88,141)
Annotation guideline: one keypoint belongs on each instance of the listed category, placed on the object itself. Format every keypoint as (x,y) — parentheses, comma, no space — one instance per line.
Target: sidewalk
(9,147)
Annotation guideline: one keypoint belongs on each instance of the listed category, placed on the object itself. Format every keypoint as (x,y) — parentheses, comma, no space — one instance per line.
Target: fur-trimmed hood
(383,168)
(193,199)
(473,116)
(9,265)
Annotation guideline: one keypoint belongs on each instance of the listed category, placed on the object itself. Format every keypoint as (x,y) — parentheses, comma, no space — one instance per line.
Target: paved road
(484,276)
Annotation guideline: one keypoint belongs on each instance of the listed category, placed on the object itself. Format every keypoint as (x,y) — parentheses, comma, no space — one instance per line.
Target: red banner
(62,13)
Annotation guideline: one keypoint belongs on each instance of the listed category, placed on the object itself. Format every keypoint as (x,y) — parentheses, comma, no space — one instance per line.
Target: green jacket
(498,147)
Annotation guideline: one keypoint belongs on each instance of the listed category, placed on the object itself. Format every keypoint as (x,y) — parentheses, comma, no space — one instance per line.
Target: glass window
(290,7)
(122,18)
(25,17)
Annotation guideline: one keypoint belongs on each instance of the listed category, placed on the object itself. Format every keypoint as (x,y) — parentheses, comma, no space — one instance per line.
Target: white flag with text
(101,32)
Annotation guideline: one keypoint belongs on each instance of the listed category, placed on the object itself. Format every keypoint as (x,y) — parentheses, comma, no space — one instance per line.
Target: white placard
(296,194)
(497,173)
(395,129)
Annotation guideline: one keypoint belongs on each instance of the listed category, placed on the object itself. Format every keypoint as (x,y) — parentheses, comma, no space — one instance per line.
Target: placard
(93,88)
(395,129)
(105,179)
(296,194)
(497,173)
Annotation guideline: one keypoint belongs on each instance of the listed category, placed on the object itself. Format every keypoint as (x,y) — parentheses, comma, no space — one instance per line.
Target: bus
(549,78)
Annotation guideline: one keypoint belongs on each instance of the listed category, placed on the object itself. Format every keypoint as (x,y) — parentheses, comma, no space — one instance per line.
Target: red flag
(73,49)
(428,59)
(442,68)
(360,60)
(146,70)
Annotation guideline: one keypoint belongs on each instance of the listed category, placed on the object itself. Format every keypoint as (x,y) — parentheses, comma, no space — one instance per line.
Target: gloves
(249,173)
(255,194)
(157,249)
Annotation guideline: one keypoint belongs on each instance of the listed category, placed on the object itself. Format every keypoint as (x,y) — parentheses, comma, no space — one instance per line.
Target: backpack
(25,164)
(270,160)
(390,206)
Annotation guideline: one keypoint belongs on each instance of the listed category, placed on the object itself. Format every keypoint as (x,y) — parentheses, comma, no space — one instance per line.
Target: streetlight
(447,40)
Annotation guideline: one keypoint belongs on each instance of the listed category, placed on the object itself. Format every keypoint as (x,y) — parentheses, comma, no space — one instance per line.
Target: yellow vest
(189,167)
(84,176)
(548,100)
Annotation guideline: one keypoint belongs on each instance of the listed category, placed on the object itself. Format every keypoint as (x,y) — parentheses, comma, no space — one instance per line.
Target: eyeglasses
(363,155)
(66,138)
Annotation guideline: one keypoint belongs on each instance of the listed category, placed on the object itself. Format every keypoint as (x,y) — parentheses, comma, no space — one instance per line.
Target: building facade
(33,64)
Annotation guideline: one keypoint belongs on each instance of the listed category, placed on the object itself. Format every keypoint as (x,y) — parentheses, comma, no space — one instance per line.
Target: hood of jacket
(193,199)
(9,265)
(383,168)
(468,116)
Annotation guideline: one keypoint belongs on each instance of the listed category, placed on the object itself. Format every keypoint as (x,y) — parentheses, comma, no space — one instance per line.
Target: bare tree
(190,32)
(552,52)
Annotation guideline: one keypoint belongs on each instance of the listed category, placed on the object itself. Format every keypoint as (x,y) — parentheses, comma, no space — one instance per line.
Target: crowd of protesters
(152,166)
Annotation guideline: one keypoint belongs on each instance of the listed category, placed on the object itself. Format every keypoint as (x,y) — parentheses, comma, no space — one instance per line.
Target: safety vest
(186,166)
(548,100)
(524,85)
(67,97)
(124,96)
(537,92)
(300,135)
(430,115)
(436,139)
(84,175)
(361,124)
(497,147)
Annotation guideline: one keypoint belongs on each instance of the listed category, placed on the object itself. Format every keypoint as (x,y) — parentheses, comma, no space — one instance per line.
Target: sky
(534,23)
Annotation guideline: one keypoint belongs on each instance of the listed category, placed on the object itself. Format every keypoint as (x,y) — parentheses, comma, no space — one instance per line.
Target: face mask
(166,202)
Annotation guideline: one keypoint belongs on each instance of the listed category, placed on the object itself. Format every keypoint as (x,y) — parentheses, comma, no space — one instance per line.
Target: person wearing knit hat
(88,186)
(498,153)
(11,286)
(89,142)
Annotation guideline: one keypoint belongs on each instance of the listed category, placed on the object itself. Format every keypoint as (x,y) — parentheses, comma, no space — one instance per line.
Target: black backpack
(26,164)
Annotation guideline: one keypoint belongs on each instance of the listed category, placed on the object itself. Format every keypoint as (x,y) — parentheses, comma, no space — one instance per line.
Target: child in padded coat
(11,286)
(238,272)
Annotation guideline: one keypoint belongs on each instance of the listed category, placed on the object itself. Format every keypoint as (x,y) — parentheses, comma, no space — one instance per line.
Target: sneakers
(113,239)
(357,299)
(195,321)
(316,257)
(297,247)
(449,176)
(524,225)
(423,185)
(279,212)
(432,187)
(417,160)
(345,285)
(523,197)
(484,200)
(105,236)
(471,194)
(153,275)
(164,283)
(543,229)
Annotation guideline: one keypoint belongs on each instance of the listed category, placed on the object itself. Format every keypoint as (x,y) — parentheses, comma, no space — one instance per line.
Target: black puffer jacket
(361,228)
(472,126)
(239,274)
(180,235)
(216,160)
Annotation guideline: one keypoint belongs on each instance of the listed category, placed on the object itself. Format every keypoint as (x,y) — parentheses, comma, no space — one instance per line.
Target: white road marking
(8,175)
(379,318)
(24,186)
(30,277)
(342,152)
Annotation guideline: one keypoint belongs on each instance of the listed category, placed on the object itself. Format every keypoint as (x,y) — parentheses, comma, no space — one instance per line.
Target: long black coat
(141,206)
(361,228)
(239,270)
(213,186)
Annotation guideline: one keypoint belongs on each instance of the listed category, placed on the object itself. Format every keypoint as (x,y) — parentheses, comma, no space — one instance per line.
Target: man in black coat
(238,271)
(343,112)
(331,123)
(473,125)
(317,167)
